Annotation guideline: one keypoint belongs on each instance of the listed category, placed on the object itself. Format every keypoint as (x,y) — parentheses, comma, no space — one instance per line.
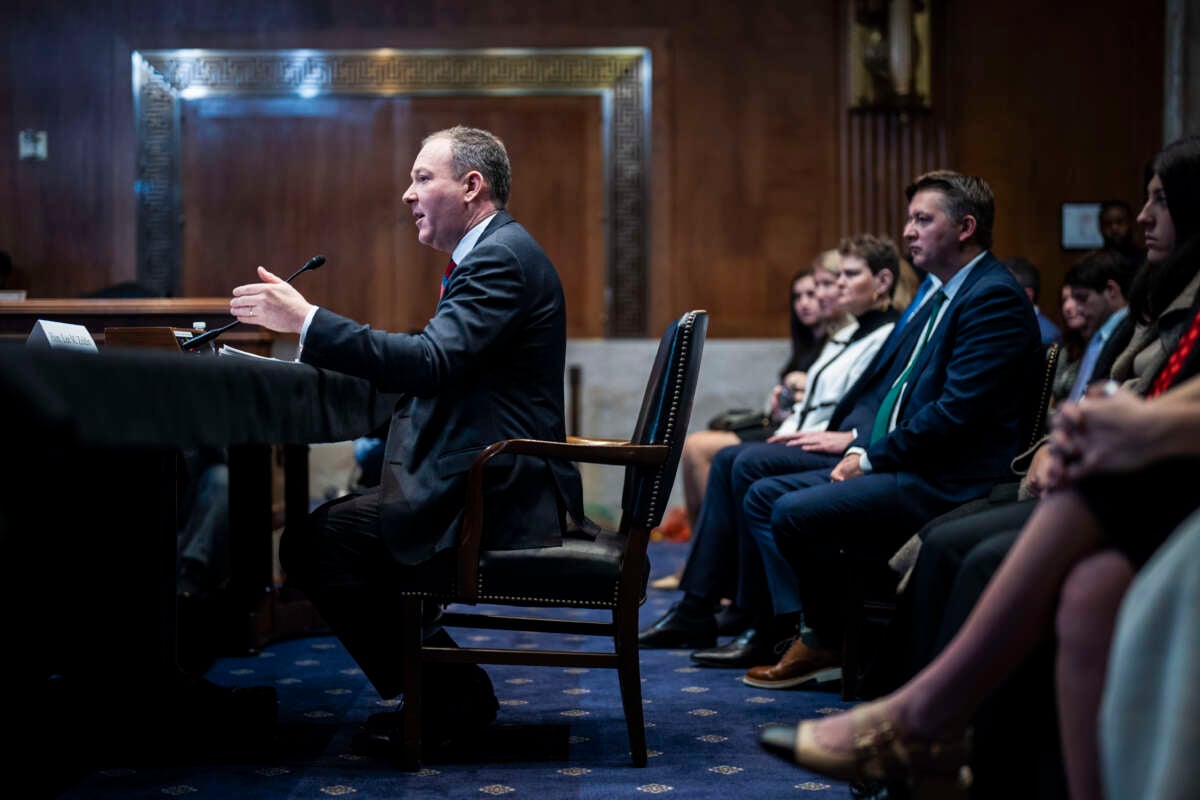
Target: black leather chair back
(664,417)
(1035,422)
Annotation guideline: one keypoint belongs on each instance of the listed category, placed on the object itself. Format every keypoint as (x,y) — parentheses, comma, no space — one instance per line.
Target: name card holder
(50,335)
(160,338)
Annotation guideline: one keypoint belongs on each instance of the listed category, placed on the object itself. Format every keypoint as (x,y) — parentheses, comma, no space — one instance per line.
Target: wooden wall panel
(555,148)
(749,180)
(275,181)
(753,162)
(1052,104)
(881,153)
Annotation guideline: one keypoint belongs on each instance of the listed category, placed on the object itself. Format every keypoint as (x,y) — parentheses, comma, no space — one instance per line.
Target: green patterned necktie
(884,416)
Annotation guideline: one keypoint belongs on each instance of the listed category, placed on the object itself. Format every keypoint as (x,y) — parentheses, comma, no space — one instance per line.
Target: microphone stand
(192,344)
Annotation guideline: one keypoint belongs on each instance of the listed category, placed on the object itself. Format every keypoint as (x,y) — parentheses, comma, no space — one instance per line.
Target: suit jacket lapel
(985,265)
(884,367)
(894,355)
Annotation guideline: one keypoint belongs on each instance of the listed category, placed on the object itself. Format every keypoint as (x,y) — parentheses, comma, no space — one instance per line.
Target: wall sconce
(889,47)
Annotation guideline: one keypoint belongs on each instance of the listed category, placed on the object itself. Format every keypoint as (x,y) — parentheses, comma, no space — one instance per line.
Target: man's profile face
(1115,226)
(1070,311)
(1091,307)
(437,199)
(931,235)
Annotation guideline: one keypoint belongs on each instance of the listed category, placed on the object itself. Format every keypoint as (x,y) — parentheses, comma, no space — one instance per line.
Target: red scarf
(1175,363)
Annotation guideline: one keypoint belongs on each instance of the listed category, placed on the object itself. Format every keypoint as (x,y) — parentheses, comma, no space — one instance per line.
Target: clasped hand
(1103,432)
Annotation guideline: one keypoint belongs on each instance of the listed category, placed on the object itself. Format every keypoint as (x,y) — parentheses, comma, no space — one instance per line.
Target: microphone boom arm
(208,336)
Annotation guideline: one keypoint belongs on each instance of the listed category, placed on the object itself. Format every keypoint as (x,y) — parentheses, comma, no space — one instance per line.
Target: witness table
(88,498)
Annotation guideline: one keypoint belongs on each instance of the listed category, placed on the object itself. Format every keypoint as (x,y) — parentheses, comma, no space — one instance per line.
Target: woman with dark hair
(870,269)
(815,307)
(807,325)
(1095,524)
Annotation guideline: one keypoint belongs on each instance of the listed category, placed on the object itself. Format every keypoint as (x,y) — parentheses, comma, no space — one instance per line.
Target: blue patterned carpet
(560,732)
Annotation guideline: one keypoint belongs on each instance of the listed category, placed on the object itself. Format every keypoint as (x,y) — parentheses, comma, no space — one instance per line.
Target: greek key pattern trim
(621,76)
(157,187)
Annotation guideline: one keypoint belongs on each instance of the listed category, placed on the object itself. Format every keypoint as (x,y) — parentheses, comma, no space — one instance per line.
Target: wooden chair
(870,597)
(607,573)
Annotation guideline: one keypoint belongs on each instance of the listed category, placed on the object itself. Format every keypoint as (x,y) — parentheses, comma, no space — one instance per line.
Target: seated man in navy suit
(936,425)
(488,366)
(933,423)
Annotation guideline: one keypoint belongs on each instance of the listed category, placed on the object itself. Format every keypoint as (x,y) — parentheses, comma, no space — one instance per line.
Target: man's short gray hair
(482,151)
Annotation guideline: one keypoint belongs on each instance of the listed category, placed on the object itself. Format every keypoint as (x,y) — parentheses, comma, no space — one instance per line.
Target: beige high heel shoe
(933,769)
(668,583)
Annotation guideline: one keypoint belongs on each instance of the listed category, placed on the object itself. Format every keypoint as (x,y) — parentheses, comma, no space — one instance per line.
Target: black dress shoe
(458,703)
(445,725)
(676,629)
(390,746)
(732,621)
(753,648)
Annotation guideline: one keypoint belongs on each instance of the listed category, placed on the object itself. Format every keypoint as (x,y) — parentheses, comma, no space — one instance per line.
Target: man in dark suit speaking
(488,366)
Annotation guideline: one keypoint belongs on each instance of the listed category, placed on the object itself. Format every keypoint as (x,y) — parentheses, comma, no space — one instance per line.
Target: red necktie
(1175,363)
(446,277)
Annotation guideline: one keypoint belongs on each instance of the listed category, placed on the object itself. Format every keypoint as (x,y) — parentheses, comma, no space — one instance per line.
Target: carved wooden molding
(162,79)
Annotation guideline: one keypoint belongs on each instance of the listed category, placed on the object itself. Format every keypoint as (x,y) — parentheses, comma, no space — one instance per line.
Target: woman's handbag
(739,419)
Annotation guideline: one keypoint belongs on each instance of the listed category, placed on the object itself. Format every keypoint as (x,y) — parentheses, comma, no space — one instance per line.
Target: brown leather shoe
(799,664)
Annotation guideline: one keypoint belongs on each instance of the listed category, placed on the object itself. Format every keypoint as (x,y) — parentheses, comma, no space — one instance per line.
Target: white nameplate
(61,336)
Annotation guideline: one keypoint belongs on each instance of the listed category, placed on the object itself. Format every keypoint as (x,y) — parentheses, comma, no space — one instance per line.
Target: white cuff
(864,463)
(307,321)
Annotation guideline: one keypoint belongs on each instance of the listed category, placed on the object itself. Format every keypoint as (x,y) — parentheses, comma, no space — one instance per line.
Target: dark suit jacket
(963,415)
(488,366)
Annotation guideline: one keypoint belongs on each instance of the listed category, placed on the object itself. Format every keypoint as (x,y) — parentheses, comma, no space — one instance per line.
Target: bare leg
(1087,613)
(698,451)
(1015,612)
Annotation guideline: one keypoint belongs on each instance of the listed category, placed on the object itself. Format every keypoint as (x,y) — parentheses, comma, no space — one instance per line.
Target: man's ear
(969,224)
(1113,293)
(474,184)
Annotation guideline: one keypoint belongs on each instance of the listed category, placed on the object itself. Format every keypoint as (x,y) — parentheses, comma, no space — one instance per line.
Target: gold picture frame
(889,45)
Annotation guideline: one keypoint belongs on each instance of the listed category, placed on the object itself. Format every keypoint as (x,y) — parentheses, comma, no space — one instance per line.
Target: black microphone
(192,344)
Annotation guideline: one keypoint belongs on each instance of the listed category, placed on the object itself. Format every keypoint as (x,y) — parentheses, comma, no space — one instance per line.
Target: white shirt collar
(467,242)
(955,283)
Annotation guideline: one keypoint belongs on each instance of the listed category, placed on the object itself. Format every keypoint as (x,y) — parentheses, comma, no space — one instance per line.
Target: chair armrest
(593,440)
(589,451)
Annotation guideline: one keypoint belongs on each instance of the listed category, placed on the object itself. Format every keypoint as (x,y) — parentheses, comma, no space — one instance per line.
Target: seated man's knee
(300,544)
(724,457)
(788,536)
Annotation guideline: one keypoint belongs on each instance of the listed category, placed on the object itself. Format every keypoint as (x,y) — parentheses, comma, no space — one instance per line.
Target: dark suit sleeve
(472,319)
(860,419)
(989,330)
